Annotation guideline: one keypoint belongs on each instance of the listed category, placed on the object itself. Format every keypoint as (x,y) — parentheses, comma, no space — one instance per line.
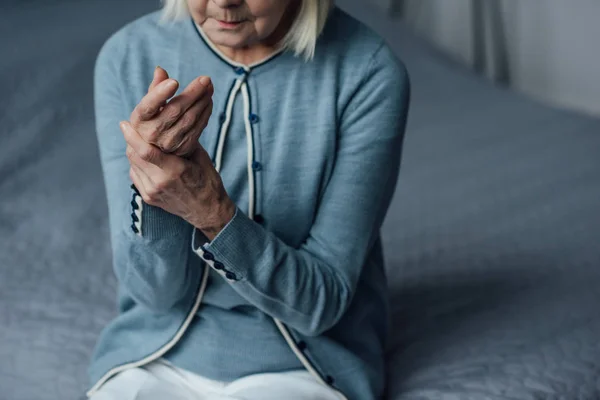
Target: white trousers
(161,380)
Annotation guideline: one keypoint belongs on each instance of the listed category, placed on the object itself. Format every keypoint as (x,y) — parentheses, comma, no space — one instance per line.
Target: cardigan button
(134,229)
(329,380)
(230,275)
(240,71)
(222,118)
(259,219)
(218,265)
(256,166)
(301,345)
(208,256)
(135,189)
(254,118)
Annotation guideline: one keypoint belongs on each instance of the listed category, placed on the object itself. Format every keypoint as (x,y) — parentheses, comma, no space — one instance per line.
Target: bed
(492,241)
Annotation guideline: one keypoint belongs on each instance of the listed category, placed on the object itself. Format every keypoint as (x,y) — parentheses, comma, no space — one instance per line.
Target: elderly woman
(245,208)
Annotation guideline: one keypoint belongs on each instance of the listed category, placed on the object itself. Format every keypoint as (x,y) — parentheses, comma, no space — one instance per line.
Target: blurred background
(492,241)
(545,48)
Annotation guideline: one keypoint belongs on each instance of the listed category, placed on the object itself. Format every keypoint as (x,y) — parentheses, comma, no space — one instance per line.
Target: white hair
(303,35)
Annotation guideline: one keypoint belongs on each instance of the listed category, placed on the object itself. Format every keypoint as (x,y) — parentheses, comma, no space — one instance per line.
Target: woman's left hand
(190,188)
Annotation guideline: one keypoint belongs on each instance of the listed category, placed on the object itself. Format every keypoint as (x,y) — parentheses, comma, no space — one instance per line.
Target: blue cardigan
(320,153)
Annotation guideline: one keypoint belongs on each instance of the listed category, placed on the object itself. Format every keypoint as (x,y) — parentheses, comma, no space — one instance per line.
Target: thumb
(159,75)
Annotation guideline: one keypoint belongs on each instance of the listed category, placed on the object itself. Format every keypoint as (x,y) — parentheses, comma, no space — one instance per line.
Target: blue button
(134,229)
(254,118)
(135,189)
(218,265)
(256,166)
(240,71)
(222,118)
(301,345)
(134,217)
(230,275)
(208,256)
(134,204)
(329,379)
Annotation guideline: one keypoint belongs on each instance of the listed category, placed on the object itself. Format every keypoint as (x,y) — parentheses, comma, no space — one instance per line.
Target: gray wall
(552,46)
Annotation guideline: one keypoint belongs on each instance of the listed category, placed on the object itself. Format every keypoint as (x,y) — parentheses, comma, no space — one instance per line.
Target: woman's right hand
(173,125)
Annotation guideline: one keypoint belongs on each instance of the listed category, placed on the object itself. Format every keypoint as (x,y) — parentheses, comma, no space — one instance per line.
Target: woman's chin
(228,39)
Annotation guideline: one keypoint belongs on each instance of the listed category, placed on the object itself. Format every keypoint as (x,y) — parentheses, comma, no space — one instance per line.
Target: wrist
(222,213)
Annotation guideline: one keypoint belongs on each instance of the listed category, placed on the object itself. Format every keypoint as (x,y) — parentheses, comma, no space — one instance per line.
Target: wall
(553,46)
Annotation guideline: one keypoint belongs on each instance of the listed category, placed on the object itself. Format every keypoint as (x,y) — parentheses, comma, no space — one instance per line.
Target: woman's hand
(173,126)
(190,188)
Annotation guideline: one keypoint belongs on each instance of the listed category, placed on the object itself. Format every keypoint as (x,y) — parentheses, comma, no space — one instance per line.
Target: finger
(188,148)
(152,177)
(205,117)
(146,151)
(141,181)
(135,159)
(136,177)
(159,75)
(191,140)
(189,126)
(197,89)
(152,102)
(170,113)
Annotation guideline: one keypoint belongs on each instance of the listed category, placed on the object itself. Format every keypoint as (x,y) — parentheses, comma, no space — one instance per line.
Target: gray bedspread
(492,242)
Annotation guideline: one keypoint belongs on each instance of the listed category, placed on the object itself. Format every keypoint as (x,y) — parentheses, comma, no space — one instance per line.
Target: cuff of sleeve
(230,251)
(157,223)
(153,222)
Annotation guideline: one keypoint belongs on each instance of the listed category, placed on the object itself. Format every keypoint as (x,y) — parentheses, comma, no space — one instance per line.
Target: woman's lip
(229,25)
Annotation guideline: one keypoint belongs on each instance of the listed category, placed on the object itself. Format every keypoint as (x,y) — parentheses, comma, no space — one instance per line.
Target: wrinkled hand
(188,187)
(175,125)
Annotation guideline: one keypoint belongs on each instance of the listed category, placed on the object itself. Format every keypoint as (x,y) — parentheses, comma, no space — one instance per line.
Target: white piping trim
(138,213)
(159,353)
(290,341)
(225,126)
(250,142)
(292,344)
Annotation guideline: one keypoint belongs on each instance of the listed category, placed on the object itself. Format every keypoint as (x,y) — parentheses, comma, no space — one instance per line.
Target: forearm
(152,262)
(305,292)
